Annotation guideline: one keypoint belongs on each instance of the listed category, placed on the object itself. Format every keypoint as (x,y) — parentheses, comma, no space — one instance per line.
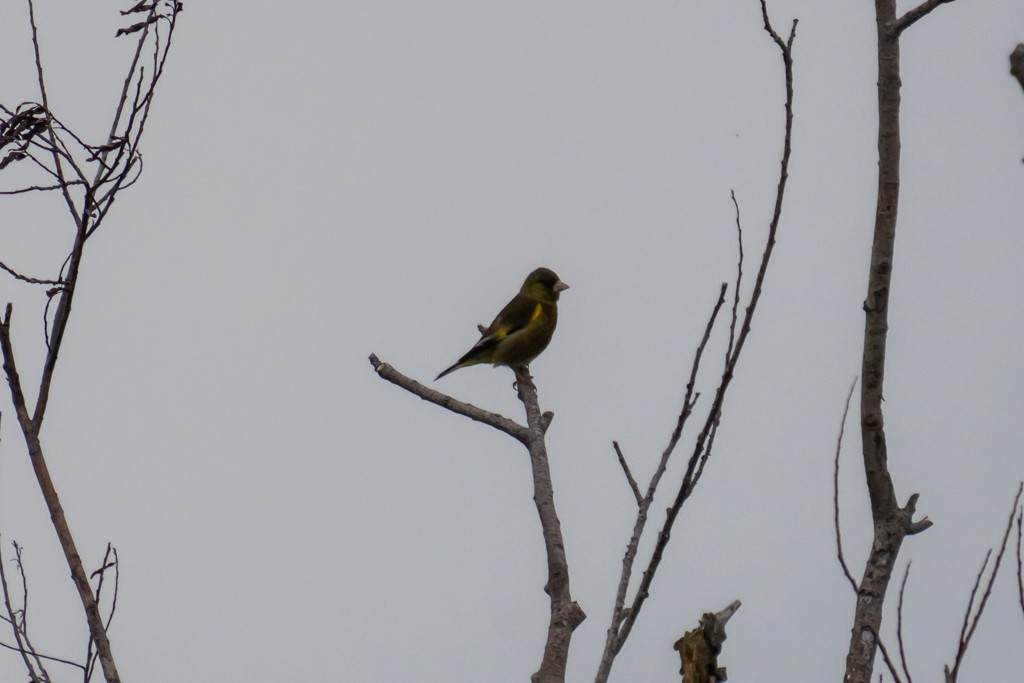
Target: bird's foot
(523,377)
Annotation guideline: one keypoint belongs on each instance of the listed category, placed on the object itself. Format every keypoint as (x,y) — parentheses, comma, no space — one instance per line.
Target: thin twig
(629,475)
(835,490)
(11,370)
(1020,558)
(24,614)
(140,106)
(899,626)
(25,278)
(102,573)
(19,638)
(971,623)
(614,637)
(888,661)
(733,318)
(49,658)
(739,279)
(44,100)
(38,188)
(786,49)
(706,453)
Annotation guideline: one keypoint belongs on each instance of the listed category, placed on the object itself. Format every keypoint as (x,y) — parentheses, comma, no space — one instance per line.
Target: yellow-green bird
(522,329)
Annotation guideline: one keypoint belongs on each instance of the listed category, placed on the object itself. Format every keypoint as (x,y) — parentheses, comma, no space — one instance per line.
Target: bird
(522,330)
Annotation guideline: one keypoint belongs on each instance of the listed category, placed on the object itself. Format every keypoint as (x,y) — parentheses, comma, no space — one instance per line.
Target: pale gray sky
(326,180)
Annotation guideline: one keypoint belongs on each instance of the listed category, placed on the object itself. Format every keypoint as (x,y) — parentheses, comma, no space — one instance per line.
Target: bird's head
(543,284)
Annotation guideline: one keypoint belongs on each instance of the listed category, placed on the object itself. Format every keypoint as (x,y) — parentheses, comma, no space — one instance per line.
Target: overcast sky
(327,180)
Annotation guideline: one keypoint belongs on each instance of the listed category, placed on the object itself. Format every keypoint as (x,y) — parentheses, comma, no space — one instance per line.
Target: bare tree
(87,176)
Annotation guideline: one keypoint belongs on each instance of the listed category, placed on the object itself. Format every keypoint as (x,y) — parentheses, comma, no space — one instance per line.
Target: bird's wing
(516,316)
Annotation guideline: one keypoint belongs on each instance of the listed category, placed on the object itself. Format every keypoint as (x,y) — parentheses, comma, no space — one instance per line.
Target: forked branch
(565,613)
(623,617)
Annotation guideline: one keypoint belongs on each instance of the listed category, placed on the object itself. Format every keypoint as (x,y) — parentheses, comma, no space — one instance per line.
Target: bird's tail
(452,369)
(476,355)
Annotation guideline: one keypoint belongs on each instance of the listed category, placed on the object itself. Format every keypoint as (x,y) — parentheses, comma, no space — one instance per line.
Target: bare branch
(23,647)
(38,188)
(888,661)
(1020,558)
(786,50)
(614,638)
(25,278)
(565,614)
(899,625)
(629,475)
(91,656)
(835,490)
(33,132)
(30,431)
(689,399)
(908,19)
(39,655)
(716,407)
(623,618)
(971,623)
(108,563)
(891,522)
(11,370)
(739,279)
(54,143)
(499,422)
(706,453)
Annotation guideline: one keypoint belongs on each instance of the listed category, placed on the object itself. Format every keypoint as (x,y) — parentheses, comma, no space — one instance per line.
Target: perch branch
(499,422)
(565,614)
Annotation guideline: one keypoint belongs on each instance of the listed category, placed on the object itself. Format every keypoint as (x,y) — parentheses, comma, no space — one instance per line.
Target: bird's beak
(559,286)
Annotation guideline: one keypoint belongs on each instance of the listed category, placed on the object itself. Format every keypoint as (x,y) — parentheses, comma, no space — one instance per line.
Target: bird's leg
(523,376)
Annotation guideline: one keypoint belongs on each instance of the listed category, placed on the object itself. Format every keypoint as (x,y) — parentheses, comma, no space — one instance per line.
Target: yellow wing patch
(537,312)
